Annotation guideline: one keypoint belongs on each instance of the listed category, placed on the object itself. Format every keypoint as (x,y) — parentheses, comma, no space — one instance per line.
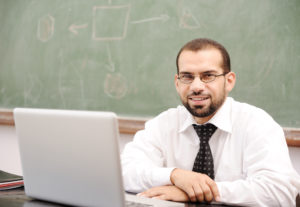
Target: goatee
(200,111)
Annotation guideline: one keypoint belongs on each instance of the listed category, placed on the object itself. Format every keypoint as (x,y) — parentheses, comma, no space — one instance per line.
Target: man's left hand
(168,192)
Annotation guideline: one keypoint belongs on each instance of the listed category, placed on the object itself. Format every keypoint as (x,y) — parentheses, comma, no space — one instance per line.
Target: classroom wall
(120,55)
(10,157)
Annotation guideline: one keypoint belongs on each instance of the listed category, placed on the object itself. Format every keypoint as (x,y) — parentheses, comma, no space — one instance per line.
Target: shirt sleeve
(143,161)
(270,177)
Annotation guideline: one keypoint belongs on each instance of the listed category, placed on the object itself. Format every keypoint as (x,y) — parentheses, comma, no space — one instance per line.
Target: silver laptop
(72,157)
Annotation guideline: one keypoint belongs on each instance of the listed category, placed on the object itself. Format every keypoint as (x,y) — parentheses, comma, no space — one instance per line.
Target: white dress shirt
(251,160)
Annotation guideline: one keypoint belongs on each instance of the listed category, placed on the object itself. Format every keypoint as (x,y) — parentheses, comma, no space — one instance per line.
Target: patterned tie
(204,161)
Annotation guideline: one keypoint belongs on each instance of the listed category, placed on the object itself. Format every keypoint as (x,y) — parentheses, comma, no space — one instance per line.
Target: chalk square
(110,22)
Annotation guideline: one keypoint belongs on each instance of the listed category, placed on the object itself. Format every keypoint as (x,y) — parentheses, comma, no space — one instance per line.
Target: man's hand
(198,187)
(167,192)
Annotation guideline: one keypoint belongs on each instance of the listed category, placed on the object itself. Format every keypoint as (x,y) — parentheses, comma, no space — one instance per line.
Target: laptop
(72,157)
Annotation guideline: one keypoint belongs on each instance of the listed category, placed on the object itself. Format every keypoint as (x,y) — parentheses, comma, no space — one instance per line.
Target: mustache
(198,93)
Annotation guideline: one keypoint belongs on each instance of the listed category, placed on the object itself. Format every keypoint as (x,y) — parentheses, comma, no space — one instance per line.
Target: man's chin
(199,111)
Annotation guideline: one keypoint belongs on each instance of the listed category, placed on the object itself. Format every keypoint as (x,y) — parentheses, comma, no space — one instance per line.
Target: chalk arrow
(162,18)
(74,28)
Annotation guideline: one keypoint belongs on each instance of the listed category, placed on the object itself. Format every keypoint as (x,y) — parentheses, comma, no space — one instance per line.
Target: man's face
(203,99)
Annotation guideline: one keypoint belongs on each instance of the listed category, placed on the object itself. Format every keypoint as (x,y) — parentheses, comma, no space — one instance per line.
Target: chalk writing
(45,28)
(74,28)
(162,18)
(115,85)
(188,20)
(111,65)
(102,31)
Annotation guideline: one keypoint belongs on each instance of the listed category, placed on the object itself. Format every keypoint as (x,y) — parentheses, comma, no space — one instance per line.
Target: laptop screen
(69,156)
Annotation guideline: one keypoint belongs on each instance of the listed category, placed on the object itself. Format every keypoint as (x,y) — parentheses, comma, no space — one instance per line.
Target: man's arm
(187,186)
(198,187)
(269,178)
(167,192)
(142,163)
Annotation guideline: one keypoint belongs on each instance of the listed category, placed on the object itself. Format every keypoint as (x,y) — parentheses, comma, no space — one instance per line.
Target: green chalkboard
(119,55)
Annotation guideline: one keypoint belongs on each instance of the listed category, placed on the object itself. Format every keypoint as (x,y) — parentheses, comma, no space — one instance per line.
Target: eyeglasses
(188,78)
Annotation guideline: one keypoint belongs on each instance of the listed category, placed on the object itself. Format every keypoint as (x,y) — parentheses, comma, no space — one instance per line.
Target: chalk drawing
(264,73)
(74,28)
(4,98)
(33,90)
(81,83)
(60,88)
(45,28)
(111,65)
(102,28)
(163,18)
(70,79)
(115,85)
(188,20)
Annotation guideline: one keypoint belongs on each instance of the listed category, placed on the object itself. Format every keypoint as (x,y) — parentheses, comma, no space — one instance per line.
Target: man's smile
(198,100)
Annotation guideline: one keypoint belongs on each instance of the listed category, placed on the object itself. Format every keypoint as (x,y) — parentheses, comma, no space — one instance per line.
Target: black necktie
(204,161)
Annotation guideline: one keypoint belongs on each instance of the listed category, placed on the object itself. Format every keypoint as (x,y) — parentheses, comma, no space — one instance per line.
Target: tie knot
(205,131)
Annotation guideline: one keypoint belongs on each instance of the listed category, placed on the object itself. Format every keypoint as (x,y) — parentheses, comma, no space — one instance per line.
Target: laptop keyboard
(135,204)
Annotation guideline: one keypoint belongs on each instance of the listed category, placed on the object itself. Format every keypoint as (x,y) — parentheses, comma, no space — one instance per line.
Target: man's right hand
(199,187)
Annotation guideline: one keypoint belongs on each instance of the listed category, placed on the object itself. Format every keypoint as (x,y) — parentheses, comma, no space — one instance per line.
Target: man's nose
(197,84)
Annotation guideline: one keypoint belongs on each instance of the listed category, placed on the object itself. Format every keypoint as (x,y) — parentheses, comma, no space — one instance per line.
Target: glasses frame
(200,76)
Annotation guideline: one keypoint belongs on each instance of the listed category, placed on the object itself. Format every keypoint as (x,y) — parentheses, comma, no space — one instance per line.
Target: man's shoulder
(248,112)
(169,116)
(243,108)
(173,112)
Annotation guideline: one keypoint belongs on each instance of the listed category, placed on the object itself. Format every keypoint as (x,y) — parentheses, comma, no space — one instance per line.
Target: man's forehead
(209,59)
(207,51)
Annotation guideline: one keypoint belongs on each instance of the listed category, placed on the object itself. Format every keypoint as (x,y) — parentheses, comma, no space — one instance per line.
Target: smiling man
(212,148)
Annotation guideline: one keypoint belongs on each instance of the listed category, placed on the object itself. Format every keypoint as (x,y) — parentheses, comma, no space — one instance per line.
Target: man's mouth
(198,98)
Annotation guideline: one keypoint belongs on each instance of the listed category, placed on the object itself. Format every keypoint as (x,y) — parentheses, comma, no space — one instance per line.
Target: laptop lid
(70,157)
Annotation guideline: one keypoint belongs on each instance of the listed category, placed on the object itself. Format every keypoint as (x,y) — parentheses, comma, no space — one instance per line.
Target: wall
(10,157)
(119,55)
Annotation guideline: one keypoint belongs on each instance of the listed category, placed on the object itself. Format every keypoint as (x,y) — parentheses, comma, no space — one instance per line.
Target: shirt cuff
(219,185)
(161,176)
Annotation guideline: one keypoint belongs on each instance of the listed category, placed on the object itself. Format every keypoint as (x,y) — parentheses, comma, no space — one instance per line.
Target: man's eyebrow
(210,71)
(185,72)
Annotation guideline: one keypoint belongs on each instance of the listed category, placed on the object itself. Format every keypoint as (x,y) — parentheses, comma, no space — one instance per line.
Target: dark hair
(203,43)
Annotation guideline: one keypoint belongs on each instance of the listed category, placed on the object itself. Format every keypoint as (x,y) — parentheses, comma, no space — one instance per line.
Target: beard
(201,111)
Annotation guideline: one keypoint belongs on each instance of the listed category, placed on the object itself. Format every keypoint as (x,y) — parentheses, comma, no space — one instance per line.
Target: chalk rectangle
(110,22)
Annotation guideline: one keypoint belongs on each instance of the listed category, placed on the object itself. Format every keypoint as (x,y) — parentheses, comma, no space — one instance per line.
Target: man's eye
(207,76)
(187,76)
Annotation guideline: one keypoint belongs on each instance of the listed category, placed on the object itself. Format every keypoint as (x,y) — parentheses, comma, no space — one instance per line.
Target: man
(246,160)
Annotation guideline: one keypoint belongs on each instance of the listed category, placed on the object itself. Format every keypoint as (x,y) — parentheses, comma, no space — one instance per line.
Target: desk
(17,198)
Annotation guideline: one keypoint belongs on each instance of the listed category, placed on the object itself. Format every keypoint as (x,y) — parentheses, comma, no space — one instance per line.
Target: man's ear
(176,82)
(230,81)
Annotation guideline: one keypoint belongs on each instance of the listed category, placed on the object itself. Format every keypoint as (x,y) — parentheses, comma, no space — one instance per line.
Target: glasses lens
(208,77)
(186,78)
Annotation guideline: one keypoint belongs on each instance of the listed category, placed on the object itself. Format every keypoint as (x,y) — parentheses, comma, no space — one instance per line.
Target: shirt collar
(222,119)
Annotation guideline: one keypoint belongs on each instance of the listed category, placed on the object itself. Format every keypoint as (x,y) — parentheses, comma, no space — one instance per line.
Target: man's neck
(202,120)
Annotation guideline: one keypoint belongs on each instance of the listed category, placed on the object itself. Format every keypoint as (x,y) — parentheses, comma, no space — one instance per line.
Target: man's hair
(202,44)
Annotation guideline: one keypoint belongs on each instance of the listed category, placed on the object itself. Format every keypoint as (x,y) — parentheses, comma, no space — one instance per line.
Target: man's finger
(191,194)
(214,189)
(208,195)
(198,193)
(148,194)
(161,197)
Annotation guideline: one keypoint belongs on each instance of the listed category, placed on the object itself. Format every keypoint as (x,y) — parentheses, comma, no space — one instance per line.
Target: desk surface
(17,198)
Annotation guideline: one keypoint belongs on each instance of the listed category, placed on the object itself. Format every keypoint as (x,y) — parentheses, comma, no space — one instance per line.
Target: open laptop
(72,157)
